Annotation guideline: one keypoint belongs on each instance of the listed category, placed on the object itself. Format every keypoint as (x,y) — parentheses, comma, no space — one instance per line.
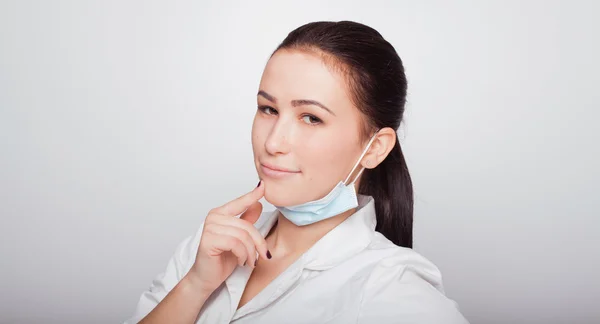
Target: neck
(288,239)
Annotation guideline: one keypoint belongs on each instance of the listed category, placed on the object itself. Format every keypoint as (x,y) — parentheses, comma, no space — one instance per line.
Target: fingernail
(258,185)
(269,254)
(255,262)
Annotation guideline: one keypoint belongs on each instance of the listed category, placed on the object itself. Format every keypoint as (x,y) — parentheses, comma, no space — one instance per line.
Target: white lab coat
(351,275)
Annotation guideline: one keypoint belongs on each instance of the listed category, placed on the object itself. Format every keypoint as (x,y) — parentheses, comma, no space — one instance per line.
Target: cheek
(260,131)
(255,135)
(329,160)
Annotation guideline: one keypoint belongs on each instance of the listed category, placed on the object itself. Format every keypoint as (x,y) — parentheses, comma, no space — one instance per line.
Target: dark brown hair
(376,78)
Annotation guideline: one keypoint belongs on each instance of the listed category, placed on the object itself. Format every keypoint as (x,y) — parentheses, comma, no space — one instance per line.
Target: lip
(276,172)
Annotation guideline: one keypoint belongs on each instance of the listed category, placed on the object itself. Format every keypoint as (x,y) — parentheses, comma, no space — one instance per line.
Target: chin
(280,195)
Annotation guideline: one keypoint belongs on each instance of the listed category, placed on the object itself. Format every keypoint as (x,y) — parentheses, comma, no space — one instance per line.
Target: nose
(278,141)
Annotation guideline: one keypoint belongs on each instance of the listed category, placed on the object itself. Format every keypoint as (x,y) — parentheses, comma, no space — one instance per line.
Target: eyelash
(265,109)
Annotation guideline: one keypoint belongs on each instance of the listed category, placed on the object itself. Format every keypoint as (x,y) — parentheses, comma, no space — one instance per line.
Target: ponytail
(391,187)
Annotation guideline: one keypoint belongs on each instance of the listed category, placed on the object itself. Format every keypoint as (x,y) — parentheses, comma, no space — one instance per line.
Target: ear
(380,148)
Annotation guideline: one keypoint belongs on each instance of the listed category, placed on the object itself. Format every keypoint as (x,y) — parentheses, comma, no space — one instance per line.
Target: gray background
(123,122)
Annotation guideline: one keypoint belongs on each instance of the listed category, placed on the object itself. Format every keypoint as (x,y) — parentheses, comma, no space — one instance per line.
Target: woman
(330,101)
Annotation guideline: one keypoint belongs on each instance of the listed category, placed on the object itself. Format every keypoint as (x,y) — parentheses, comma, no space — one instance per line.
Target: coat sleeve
(178,266)
(407,290)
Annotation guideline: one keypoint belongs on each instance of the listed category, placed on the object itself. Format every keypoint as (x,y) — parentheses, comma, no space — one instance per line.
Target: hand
(228,241)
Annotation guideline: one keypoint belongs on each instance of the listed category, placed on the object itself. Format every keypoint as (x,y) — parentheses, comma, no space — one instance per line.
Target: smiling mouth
(275,172)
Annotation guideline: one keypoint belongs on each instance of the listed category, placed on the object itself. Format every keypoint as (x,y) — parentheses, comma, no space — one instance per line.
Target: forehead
(292,74)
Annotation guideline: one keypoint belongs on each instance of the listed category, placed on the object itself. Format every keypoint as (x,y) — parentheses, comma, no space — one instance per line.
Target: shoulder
(404,287)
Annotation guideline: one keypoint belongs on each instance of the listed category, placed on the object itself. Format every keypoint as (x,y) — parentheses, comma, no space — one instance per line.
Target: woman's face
(305,135)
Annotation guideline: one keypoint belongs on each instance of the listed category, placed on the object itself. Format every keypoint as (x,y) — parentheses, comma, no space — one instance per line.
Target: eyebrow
(297,102)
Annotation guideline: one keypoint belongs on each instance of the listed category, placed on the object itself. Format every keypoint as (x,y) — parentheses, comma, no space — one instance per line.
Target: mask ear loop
(360,159)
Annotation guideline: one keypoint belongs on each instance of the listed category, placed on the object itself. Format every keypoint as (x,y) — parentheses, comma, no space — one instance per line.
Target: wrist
(197,286)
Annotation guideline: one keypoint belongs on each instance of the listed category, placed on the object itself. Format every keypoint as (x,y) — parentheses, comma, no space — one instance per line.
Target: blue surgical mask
(341,198)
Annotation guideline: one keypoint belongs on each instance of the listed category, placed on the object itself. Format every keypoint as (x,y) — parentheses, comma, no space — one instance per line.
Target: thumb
(252,214)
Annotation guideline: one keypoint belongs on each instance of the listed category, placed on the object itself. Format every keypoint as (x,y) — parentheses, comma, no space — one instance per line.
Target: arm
(173,277)
(203,262)
(181,305)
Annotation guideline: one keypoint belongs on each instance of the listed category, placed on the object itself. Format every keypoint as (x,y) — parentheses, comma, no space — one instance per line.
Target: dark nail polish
(255,262)
(258,184)
(269,254)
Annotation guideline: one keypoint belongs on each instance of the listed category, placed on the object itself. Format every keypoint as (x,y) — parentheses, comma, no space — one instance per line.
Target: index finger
(240,204)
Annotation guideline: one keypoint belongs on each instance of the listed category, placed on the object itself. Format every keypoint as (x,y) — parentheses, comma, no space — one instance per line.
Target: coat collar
(350,237)
(345,240)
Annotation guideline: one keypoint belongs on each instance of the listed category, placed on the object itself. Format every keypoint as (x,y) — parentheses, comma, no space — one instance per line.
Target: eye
(311,120)
(267,110)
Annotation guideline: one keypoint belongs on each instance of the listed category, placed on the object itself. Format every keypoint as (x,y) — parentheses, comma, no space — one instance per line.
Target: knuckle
(240,254)
(231,241)
(210,217)
(238,232)
(248,227)
(240,245)
(209,228)
(248,237)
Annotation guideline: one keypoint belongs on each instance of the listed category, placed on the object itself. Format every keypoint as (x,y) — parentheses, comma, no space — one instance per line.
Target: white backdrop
(123,122)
